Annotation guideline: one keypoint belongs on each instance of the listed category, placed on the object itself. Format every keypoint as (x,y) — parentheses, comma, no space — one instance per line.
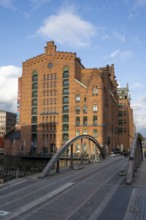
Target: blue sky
(101,32)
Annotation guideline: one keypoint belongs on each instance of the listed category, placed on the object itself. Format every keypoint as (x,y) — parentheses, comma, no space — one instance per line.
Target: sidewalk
(129,201)
(137,204)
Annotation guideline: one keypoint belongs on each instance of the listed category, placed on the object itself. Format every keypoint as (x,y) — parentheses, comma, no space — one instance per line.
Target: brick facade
(126,127)
(60,99)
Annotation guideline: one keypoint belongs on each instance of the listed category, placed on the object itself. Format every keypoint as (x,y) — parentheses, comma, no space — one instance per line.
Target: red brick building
(126,127)
(59,99)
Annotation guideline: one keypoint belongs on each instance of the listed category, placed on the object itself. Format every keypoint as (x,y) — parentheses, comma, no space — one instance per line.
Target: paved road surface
(78,194)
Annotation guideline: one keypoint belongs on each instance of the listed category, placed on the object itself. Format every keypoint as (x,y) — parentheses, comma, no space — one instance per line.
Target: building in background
(126,127)
(60,99)
(7,123)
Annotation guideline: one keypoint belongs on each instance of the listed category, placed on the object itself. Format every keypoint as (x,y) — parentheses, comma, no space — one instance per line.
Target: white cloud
(119,55)
(8,87)
(139,110)
(68,28)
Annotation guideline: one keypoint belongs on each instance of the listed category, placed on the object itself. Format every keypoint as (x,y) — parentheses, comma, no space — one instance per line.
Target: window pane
(65,91)
(34,78)
(84,109)
(65,74)
(65,137)
(34,128)
(34,119)
(77,120)
(77,109)
(34,111)
(34,102)
(95,108)
(65,127)
(77,98)
(94,90)
(65,118)
(65,82)
(85,120)
(77,132)
(85,132)
(65,99)
(34,86)
(94,119)
(95,133)
(65,108)
(34,94)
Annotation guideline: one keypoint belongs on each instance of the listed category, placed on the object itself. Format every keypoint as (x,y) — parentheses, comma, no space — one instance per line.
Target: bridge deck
(95,192)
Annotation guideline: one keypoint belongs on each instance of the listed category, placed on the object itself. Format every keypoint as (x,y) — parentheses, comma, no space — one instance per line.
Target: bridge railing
(135,158)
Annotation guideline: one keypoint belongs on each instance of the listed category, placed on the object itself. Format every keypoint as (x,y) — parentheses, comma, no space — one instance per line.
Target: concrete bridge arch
(64,148)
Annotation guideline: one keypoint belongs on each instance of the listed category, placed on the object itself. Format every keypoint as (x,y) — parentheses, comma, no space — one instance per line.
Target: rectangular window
(120,122)
(65,109)
(77,120)
(65,118)
(77,109)
(66,82)
(120,114)
(65,91)
(95,108)
(94,120)
(85,120)
(34,85)
(77,98)
(65,137)
(85,132)
(65,99)
(85,109)
(65,127)
(95,133)
(94,90)
(77,132)
(120,130)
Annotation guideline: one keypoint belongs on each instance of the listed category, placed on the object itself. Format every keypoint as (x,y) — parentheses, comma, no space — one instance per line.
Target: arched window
(66,72)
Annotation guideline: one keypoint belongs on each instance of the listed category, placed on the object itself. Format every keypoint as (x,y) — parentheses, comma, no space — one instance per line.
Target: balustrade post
(71,157)
(57,167)
(81,151)
(89,152)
